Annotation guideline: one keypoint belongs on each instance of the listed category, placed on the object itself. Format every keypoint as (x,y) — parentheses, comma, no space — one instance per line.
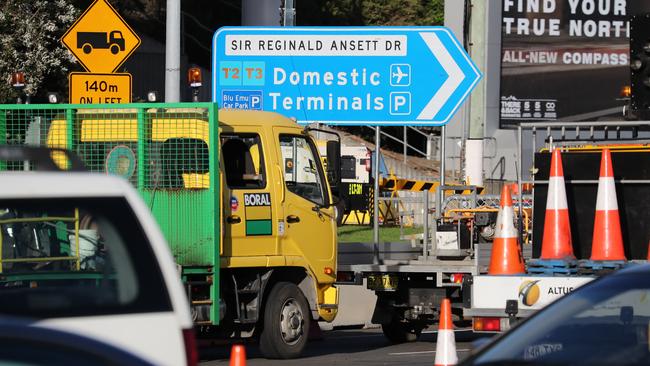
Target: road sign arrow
(455,76)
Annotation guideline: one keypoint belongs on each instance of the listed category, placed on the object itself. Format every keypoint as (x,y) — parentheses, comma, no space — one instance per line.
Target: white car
(80,252)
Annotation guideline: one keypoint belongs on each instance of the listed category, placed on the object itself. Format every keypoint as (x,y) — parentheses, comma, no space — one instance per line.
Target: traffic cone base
(609,232)
(446,348)
(446,343)
(556,243)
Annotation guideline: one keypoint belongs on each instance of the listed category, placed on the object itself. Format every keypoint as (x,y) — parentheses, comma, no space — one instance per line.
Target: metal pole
(375,212)
(262,12)
(288,14)
(443,146)
(172,52)
(425,241)
(405,144)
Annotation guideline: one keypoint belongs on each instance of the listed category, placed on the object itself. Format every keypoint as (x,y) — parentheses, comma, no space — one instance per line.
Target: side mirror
(333,162)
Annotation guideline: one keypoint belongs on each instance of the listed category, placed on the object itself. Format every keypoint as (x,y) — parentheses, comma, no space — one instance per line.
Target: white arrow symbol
(455,76)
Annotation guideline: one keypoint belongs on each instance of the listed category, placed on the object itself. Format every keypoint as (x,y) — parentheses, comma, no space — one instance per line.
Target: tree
(30,33)
(371,12)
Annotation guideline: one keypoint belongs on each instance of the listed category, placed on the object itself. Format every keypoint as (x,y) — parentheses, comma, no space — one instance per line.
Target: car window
(74,257)
(595,326)
(302,173)
(243,161)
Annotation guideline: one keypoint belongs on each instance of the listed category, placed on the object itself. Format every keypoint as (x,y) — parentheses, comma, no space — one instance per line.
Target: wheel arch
(299,277)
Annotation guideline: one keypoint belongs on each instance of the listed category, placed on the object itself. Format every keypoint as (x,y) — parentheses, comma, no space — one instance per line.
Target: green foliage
(364,233)
(29,41)
(372,12)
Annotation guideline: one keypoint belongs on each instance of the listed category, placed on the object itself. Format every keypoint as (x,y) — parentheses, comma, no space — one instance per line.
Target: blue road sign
(343,75)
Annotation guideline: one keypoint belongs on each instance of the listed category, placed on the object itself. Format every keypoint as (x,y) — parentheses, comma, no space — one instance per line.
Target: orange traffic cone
(237,355)
(446,343)
(607,242)
(506,254)
(556,242)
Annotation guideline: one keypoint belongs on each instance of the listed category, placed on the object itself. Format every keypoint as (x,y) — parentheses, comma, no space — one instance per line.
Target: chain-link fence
(164,150)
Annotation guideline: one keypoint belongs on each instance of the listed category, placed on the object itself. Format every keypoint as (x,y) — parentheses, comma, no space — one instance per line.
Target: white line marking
(422,352)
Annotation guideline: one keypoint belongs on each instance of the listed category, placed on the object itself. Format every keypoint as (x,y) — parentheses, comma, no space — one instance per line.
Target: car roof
(241,117)
(31,184)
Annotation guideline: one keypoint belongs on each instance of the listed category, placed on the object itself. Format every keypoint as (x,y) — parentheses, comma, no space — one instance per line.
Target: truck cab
(279,225)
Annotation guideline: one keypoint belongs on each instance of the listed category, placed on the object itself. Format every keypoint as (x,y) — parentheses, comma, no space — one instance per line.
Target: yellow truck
(252,227)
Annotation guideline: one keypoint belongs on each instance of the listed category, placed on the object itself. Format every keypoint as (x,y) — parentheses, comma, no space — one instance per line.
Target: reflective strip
(505,224)
(606,199)
(446,348)
(556,198)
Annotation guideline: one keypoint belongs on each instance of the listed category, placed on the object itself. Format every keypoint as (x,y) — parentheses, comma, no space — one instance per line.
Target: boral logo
(529,292)
(257,199)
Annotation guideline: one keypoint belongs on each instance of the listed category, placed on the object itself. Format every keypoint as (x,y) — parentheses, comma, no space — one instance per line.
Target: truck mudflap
(496,296)
(330,306)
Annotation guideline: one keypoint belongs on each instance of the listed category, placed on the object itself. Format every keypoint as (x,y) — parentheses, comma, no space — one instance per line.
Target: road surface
(350,347)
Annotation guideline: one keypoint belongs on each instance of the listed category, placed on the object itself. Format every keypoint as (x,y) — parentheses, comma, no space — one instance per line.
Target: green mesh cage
(166,151)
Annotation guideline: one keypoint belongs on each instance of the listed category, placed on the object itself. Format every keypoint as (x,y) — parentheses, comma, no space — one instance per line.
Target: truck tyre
(286,322)
(87,48)
(400,332)
(115,49)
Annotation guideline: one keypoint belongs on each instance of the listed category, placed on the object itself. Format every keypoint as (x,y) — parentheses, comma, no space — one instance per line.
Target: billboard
(563,60)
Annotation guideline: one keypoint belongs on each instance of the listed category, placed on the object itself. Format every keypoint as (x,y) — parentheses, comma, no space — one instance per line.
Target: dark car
(606,322)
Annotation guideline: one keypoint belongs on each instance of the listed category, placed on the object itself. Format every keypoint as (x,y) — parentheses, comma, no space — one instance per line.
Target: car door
(248,197)
(310,221)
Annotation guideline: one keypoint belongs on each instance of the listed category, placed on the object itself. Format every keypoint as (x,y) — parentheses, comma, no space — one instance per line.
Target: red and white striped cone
(506,256)
(607,242)
(446,343)
(556,241)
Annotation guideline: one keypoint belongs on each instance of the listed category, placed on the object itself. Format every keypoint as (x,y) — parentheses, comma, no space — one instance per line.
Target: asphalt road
(350,347)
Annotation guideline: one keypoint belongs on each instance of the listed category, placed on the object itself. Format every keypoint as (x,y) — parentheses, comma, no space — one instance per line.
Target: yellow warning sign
(100,39)
(87,88)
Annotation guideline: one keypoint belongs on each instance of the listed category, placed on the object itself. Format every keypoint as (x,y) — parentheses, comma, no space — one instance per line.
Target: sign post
(344,75)
(101,40)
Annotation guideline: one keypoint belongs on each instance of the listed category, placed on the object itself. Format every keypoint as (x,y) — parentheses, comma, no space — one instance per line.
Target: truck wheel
(400,332)
(286,322)
(87,48)
(115,49)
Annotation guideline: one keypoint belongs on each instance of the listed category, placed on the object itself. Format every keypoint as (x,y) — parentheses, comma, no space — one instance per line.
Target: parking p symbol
(256,102)
(400,103)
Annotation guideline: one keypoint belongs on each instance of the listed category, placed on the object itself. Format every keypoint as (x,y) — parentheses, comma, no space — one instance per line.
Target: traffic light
(640,65)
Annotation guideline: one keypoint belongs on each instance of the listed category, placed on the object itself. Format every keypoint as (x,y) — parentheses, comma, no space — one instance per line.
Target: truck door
(310,229)
(248,197)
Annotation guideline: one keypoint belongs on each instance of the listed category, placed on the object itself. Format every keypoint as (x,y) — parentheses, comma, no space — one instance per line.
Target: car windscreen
(76,257)
(604,323)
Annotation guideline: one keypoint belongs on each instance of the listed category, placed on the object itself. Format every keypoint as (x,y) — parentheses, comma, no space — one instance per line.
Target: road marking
(360,336)
(455,330)
(422,352)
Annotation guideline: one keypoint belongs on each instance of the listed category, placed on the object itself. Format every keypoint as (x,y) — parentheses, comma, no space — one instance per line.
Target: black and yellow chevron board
(400,184)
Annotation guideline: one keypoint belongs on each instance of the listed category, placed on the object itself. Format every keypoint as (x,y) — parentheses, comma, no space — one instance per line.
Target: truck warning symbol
(100,39)
(113,41)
